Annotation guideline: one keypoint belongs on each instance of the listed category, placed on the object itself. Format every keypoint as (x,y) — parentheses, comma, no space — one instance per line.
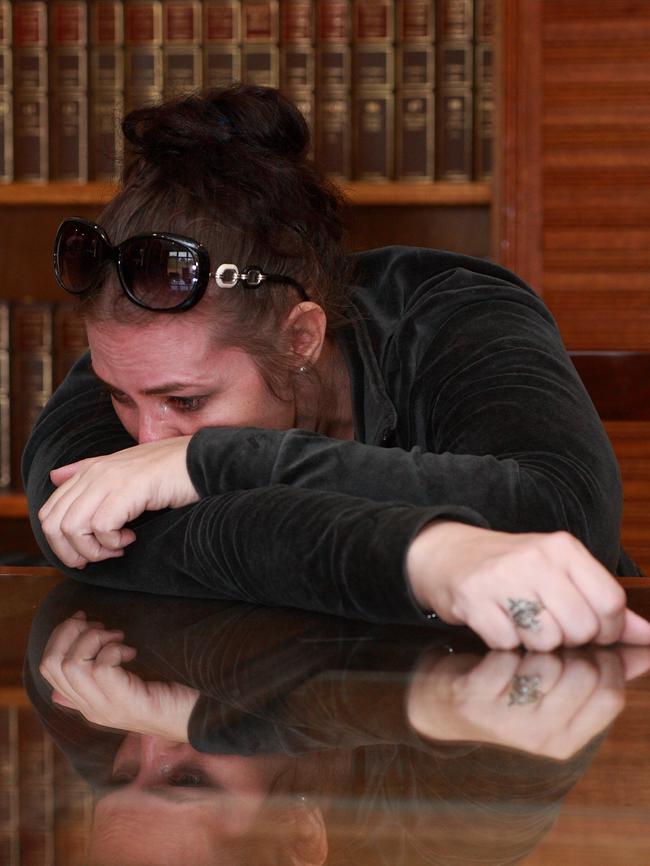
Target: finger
(601,590)
(636,630)
(66,489)
(635,660)
(536,627)
(114,655)
(89,643)
(579,680)
(596,714)
(61,700)
(492,676)
(578,622)
(114,539)
(547,667)
(63,473)
(495,627)
(64,635)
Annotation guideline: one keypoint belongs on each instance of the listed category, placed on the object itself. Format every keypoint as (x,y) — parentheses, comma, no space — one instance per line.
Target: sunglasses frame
(252,277)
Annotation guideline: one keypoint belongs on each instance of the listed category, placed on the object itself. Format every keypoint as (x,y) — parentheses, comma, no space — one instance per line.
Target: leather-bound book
(143,70)
(182,59)
(106,102)
(455,104)
(5,396)
(374,90)
(68,54)
(484,90)
(30,76)
(69,339)
(414,96)
(297,56)
(333,122)
(9,829)
(6,95)
(221,43)
(31,373)
(260,50)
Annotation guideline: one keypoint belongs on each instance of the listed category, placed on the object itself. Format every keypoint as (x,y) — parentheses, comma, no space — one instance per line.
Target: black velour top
(466,405)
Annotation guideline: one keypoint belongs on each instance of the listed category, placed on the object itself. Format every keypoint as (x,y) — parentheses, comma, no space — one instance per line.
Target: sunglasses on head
(157,271)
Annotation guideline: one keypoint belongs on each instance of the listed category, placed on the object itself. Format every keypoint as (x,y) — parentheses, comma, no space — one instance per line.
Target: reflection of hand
(547,704)
(83,663)
(84,519)
(471,576)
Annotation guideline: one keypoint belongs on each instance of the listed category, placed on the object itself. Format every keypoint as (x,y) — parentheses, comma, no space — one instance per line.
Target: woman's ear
(305,328)
(309,844)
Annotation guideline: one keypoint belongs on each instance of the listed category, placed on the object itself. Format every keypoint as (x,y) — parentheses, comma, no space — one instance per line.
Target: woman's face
(168,377)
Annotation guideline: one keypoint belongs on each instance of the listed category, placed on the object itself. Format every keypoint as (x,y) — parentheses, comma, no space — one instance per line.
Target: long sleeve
(275,545)
(476,394)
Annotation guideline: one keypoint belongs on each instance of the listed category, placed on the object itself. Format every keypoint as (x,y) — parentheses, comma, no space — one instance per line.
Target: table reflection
(220,733)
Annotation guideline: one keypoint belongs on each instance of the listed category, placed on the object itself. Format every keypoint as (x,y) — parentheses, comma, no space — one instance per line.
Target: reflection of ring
(524,612)
(523,690)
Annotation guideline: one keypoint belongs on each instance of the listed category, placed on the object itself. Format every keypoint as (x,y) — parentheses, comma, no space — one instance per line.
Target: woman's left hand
(84,664)
(84,519)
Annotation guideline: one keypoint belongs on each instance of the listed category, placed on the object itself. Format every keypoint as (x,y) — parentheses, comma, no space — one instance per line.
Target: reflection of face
(172,802)
(168,378)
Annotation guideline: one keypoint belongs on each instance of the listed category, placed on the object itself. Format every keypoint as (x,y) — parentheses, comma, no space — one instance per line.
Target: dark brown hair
(230,169)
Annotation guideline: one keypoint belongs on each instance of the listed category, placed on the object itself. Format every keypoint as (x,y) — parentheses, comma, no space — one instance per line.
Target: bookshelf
(439,193)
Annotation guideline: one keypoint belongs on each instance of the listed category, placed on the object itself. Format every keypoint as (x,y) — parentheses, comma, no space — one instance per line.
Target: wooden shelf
(396,194)
(13,505)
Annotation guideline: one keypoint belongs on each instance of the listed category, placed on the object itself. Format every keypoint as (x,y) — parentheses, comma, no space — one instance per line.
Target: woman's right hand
(539,590)
(549,704)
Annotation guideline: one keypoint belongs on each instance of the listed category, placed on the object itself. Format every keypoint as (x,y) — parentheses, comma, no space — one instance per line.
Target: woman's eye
(187,404)
(118,396)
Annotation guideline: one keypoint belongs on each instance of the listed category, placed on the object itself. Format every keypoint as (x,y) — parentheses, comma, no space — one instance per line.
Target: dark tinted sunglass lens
(81,253)
(159,273)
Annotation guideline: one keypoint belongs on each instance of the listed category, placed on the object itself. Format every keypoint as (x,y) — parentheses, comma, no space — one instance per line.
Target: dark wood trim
(517,223)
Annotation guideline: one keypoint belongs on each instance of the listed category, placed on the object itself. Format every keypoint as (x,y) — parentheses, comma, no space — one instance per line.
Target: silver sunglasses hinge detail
(227,276)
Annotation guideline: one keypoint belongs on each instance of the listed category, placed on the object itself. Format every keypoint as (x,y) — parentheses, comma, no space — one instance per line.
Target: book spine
(35,791)
(414,95)
(68,91)
(182,61)
(106,60)
(221,43)
(30,91)
(297,57)
(260,34)
(73,805)
(484,90)
(374,93)
(333,135)
(6,95)
(31,374)
(143,60)
(454,110)
(5,396)
(69,341)
(9,826)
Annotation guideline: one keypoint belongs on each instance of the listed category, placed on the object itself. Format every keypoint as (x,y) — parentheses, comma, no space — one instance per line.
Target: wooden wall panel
(595,171)
(573,188)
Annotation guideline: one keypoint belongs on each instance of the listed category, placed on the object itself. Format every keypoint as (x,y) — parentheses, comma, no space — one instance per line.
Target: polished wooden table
(376,707)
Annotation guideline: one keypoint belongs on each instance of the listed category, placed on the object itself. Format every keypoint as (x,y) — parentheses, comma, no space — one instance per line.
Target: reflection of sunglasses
(157,271)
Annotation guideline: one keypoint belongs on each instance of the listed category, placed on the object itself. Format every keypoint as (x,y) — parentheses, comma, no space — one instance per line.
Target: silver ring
(523,612)
(524,690)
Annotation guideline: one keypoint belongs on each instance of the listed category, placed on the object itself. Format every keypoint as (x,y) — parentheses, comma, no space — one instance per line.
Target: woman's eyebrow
(165,388)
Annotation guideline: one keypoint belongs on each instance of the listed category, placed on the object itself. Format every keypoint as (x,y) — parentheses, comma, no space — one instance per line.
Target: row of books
(392,89)
(45,808)
(39,342)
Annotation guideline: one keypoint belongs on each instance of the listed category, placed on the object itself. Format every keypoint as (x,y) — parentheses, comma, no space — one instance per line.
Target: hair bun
(245,117)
